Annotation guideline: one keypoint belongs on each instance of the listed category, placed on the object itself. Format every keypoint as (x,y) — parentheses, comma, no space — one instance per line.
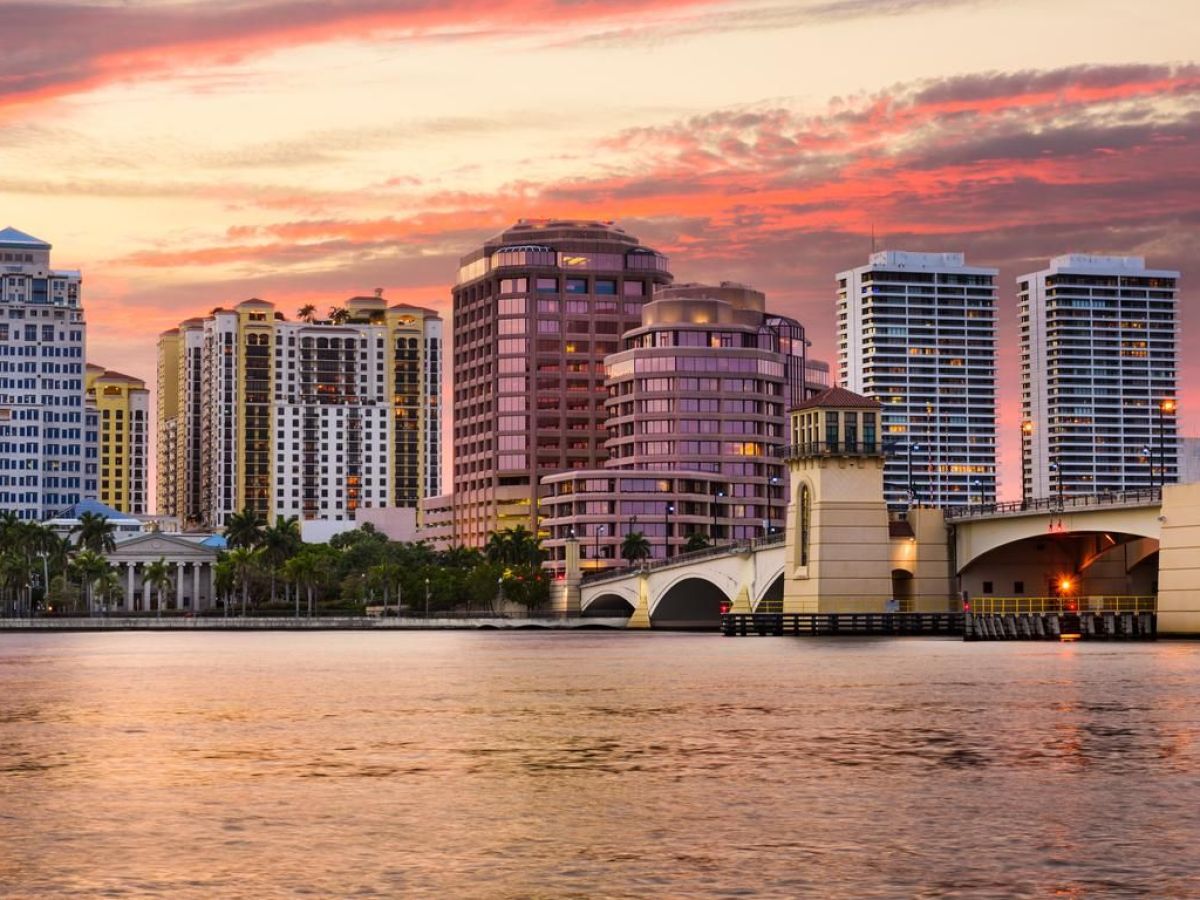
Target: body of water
(472,764)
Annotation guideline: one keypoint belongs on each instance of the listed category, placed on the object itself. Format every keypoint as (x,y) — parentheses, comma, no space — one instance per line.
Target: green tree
(279,543)
(384,577)
(514,546)
(224,582)
(338,315)
(64,594)
(15,570)
(158,576)
(307,313)
(244,562)
(635,547)
(109,587)
(311,568)
(244,529)
(697,540)
(90,566)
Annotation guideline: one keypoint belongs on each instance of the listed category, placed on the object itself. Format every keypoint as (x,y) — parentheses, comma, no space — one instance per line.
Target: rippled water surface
(525,764)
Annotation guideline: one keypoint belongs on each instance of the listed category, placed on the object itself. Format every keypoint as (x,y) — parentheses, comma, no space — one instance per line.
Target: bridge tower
(838,554)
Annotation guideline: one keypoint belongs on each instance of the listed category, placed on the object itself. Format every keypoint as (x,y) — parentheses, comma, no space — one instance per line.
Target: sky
(187,154)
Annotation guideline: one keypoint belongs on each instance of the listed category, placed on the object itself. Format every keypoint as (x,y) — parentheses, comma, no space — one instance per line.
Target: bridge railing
(1143,496)
(1034,605)
(745,546)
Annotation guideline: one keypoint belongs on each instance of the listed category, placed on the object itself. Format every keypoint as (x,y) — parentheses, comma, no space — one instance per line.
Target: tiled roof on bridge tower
(839,398)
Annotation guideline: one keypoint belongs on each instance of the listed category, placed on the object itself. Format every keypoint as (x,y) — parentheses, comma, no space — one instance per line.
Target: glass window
(634,289)
(605,286)
(576,286)
(547,285)
(514,285)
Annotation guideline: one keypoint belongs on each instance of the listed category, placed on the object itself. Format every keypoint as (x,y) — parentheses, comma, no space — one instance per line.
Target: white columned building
(191,563)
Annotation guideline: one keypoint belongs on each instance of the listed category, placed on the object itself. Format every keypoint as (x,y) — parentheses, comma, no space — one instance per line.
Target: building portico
(191,563)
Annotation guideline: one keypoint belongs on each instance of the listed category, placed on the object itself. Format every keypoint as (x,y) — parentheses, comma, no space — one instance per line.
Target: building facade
(536,311)
(1099,370)
(122,406)
(309,419)
(697,409)
(48,451)
(917,332)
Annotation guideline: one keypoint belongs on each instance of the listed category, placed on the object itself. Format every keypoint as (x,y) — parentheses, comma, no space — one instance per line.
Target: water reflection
(617,765)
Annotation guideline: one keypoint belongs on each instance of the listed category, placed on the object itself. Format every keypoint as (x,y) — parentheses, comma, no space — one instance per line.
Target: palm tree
(91,566)
(338,315)
(158,576)
(635,547)
(95,533)
(223,582)
(110,588)
(244,563)
(697,540)
(305,570)
(278,543)
(514,546)
(14,573)
(384,576)
(244,529)
(307,313)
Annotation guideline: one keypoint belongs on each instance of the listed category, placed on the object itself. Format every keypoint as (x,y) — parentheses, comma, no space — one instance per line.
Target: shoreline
(322,623)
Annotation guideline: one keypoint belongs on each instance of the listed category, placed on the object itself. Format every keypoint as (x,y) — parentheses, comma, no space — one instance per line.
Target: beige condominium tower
(122,405)
(313,419)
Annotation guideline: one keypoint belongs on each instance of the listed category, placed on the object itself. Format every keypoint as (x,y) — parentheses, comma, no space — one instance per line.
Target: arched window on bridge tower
(805,522)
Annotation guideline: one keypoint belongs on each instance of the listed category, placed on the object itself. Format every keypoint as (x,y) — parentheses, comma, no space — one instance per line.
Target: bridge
(1143,544)
(690,590)
(842,553)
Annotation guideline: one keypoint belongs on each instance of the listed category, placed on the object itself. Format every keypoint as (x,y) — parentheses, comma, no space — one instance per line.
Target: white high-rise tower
(1099,355)
(47,433)
(917,332)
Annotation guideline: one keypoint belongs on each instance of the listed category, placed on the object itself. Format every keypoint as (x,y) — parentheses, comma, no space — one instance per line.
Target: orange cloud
(57,53)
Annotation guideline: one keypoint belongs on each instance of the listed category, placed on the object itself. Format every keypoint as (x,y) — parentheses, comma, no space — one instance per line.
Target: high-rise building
(122,405)
(1099,358)
(47,435)
(697,408)
(536,310)
(309,419)
(180,422)
(917,332)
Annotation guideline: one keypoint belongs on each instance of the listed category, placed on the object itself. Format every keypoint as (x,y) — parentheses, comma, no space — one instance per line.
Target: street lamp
(1057,470)
(717,495)
(1149,458)
(912,493)
(979,490)
(600,530)
(427,596)
(667,547)
(1165,408)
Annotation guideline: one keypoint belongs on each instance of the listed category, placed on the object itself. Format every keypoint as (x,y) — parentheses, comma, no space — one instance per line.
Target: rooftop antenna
(378,292)
(872,237)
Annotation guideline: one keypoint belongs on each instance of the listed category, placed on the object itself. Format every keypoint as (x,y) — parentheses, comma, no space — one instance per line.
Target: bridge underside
(1082,563)
(607,605)
(692,604)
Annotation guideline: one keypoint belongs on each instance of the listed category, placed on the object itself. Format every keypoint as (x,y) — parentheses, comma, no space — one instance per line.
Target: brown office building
(536,310)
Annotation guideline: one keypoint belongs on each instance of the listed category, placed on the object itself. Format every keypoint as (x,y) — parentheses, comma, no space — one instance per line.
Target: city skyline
(768,167)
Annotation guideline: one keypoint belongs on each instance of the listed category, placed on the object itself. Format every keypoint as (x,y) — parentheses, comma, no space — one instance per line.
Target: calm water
(511,765)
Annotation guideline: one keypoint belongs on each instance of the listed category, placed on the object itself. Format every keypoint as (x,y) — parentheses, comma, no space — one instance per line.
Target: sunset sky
(190,154)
